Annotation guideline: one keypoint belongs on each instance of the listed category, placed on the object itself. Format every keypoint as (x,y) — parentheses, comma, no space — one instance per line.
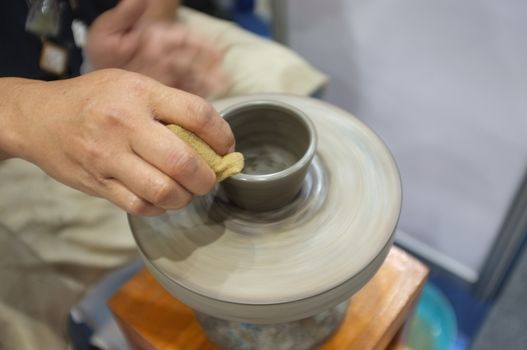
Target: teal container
(433,325)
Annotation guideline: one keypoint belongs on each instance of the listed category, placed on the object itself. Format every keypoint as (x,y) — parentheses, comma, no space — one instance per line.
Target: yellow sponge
(228,165)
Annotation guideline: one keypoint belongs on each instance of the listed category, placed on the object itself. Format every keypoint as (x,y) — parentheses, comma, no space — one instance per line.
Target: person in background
(103,132)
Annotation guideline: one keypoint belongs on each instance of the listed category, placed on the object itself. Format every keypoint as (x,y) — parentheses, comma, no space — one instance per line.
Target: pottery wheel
(293,262)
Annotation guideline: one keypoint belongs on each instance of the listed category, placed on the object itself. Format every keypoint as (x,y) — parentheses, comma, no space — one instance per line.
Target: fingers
(212,73)
(148,183)
(207,56)
(207,83)
(192,67)
(172,156)
(194,114)
(125,15)
(121,196)
(181,63)
(194,62)
(198,62)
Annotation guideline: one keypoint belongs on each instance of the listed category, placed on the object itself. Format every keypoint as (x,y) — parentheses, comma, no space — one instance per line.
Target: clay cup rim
(290,111)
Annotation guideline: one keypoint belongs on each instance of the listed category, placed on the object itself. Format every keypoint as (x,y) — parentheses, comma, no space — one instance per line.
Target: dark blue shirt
(20,50)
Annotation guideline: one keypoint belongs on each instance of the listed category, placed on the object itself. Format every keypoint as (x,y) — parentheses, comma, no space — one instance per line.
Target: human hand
(103,133)
(163,50)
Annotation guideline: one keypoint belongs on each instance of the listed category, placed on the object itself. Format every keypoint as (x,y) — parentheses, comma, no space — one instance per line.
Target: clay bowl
(278,142)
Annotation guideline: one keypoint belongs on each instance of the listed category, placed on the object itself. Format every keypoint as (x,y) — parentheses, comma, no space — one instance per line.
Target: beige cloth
(55,242)
(255,64)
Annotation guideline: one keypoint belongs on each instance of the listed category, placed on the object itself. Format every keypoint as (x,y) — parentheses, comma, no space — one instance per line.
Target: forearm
(15,96)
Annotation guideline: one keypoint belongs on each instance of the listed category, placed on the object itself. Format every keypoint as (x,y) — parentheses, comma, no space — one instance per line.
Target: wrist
(18,107)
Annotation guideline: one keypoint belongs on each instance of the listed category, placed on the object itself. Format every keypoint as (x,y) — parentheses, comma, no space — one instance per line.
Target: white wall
(444,83)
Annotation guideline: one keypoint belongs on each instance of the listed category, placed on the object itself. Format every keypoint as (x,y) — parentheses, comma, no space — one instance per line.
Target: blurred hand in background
(142,36)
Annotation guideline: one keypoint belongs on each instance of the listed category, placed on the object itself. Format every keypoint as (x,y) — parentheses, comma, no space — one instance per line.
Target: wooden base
(152,319)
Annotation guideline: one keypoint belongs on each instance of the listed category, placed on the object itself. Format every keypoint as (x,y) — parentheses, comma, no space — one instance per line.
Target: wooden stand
(152,319)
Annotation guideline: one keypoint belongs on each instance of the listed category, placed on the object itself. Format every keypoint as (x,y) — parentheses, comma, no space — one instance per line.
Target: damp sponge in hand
(228,165)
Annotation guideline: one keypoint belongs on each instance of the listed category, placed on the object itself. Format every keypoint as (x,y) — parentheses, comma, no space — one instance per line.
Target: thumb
(124,16)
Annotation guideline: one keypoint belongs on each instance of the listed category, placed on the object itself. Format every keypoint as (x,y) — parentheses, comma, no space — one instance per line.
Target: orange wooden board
(153,319)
